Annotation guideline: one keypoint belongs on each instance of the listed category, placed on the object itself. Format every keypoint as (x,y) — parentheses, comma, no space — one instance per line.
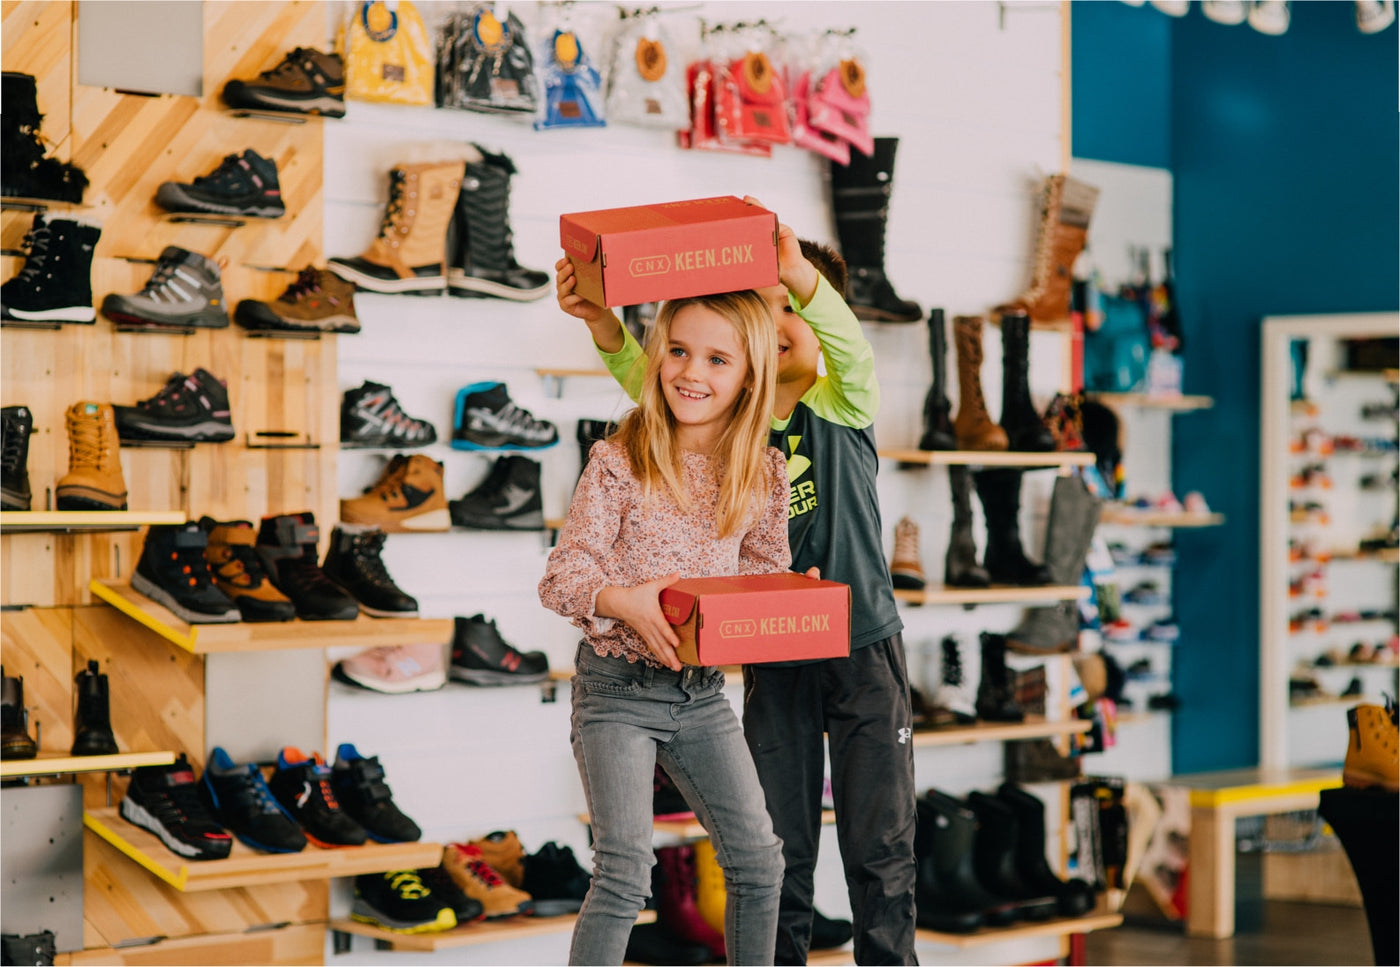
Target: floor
(1290,933)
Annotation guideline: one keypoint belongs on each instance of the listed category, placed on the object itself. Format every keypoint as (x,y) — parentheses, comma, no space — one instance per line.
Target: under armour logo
(905,735)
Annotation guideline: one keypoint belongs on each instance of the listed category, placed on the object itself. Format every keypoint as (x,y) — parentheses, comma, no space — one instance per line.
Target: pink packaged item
(806,136)
(840,105)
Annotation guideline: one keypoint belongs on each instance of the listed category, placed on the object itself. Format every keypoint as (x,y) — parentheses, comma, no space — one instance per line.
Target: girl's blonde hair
(648,433)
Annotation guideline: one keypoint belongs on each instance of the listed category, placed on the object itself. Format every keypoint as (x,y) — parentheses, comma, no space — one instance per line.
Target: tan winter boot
(1065,209)
(407,497)
(410,254)
(906,571)
(972,426)
(1373,750)
(94,478)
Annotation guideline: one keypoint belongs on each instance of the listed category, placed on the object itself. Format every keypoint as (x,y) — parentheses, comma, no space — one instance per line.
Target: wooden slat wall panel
(35,644)
(297,944)
(36,38)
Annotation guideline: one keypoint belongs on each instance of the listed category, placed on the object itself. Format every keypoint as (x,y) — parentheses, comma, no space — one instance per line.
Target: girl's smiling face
(702,375)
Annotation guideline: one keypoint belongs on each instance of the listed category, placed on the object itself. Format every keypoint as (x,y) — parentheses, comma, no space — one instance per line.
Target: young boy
(824,427)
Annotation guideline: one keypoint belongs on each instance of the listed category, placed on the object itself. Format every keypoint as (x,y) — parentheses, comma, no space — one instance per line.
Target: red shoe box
(648,253)
(748,619)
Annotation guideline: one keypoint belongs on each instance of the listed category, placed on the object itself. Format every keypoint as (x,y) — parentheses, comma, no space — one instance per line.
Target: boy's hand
(797,275)
(640,609)
(603,323)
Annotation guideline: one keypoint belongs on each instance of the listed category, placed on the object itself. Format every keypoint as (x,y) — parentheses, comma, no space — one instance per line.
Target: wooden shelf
(55,764)
(1137,517)
(991,458)
(1178,403)
(997,594)
(1058,927)
(564,373)
(1389,375)
(363,632)
(1386,555)
(693,829)
(483,931)
(247,867)
(1032,728)
(78,521)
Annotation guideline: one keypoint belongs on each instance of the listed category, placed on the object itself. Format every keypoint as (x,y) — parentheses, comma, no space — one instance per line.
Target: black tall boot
(15,742)
(55,284)
(946,885)
(860,197)
(1074,513)
(960,567)
(997,849)
(938,412)
(480,244)
(1000,493)
(24,171)
(16,424)
(996,688)
(92,723)
(1075,897)
(1025,430)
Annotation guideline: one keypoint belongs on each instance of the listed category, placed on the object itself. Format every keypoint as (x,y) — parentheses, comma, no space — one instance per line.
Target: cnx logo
(650,265)
(738,628)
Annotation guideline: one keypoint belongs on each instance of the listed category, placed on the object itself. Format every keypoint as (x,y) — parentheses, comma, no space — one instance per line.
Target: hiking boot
(302,784)
(191,409)
(905,570)
(25,172)
(399,901)
(172,570)
(238,797)
(239,573)
(394,669)
(371,417)
(306,82)
(353,562)
(318,301)
(359,786)
(184,292)
(16,424)
(478,880)
(480,245)
(55,284)
(15,742)
(437,879)
(480,656)
(94,478)
(165,800)
(485,418)
(92,721)
(243,184)
(555,881)
(1372,759)
(409,255)
(406,498)
(287,548)
(508,499)
(504,853)
(973,426)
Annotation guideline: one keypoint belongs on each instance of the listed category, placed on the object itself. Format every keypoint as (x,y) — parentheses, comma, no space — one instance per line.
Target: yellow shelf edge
(71,764)
(129,608)
(1236,794)
(136,855)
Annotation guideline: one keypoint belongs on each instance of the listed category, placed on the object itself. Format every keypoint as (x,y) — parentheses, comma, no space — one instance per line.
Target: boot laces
(308,281)
(36,249)
(482,870)
(228,174)
(168,396)
(87,441)
(408,884)
(15,437)
(165,270)
(394,211)
(290,66)
(906,541)
(365,549)
(952,663)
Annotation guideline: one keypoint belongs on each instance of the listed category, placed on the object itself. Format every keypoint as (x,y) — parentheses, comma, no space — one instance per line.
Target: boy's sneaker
(401,902)
(353,561)
(555,881)
(184,292)
(306,82)
(165,800)
(243,184)
(478,880)
(303,785)
(407,498)
(318,301)
(508,499)
(172,570)
(481,656)
(359,785)
(239,798)
(466,909)
(487,419)
(371,417)
(188,409)
(239,573)
(287,548)
(394,669)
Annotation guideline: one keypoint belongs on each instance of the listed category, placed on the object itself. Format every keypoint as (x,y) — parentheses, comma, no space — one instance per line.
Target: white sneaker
(395,669)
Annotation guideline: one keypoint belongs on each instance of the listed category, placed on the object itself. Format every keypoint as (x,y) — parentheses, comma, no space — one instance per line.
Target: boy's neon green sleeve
(627,365)
(849,394)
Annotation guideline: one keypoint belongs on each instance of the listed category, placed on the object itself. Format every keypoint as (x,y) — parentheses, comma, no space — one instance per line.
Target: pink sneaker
(395,669)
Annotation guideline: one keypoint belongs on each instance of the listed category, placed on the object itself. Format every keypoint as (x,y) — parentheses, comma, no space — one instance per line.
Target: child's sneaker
(401,902)
(302,784)
(394,669)
(464,863)
(480,656)
(239,798)
(486,418)
(359,784)
(165,800)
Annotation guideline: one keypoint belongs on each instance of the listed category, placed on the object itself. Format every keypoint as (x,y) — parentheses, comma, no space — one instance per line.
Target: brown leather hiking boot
(238,572)
(407,497)
(1066,206)
(410,254)
(503,852)
(318,301)
(1373,750)
(972,426)
(94,478)
(906,571)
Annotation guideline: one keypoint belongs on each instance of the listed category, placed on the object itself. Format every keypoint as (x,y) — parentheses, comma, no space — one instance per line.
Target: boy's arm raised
(850,390)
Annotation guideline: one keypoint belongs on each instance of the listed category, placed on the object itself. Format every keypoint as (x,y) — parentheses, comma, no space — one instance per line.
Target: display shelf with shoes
(1055,927)
(1034,727)
(1127,515)
(686,829)
(84,521)
(996,594)
(363,631)
(989,458)
(1177,402)
(62,764)
(464,935)
(248,867)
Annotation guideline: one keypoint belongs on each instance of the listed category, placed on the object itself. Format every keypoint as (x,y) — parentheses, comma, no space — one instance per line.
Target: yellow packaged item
(388,57)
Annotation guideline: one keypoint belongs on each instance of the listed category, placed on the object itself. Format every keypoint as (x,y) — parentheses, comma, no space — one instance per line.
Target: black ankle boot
(16,424)
(996,688)
(938,412)
(947,894)
(1006,562)
(960,567)
(15,742)
(354,564)
(860,198)
(92,723)
(1025,430)
(998,847)
(1074,897)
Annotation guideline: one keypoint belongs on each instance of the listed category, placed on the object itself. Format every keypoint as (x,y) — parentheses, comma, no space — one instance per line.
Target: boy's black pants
(861,703)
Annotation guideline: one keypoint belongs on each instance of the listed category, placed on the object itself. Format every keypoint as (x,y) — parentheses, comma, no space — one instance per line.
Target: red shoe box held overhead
(648,253)
(755,618)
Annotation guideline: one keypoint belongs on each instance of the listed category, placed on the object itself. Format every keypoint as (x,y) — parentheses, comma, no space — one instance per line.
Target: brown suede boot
(410,254)
(94,478)
(972,426)
(906,570)
(1065,209)
(239,573)
(407,497)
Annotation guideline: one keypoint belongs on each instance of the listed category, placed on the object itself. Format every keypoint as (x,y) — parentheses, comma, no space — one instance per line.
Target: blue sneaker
(240,800)
(485,418)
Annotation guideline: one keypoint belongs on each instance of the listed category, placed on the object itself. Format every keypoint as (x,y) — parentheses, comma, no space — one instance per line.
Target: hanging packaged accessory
(702,84)
(750,92)
(804,135)
(573,96)
(485,64)
(387,55)
(645,88)
(840,104)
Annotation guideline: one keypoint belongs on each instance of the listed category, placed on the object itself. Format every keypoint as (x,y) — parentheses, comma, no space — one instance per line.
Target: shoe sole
(60,314)
(556,908)
(464,288)
(195,206)
(460,444)
(204,320)
(431,284)
(137,815)
(362,912)
(328,107)
(480,676)
(419,683)
(434,520)
(210,431)
(87,498)
(533,521)
(139,582)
